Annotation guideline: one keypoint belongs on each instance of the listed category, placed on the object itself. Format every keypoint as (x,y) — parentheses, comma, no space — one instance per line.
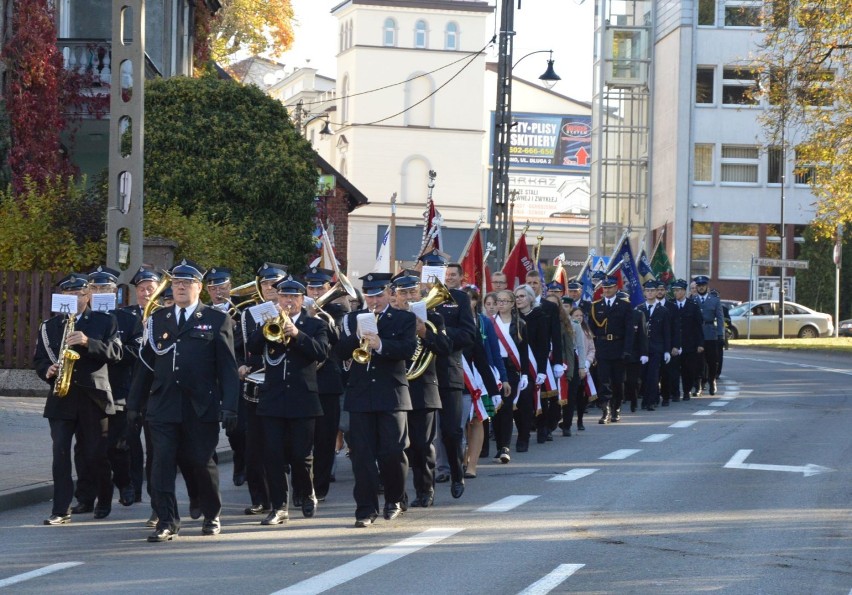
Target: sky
(565,26)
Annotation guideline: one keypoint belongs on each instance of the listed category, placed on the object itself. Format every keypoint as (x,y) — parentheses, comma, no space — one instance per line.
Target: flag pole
(510,240)
(585,265)
(470,239)
(392,239)
(617,248)
(659,240)
(539,239)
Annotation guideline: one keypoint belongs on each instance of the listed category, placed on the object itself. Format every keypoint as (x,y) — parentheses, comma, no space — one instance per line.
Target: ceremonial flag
(472,261)
(432,222)
(630,282)
(383,263)
(518,264)
(644,267)
(326,258)
(559,275)
(661,265)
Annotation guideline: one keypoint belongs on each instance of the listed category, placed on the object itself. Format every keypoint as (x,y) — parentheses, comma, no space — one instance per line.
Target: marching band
(410,372)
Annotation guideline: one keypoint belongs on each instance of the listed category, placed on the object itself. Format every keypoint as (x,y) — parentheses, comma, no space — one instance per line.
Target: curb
(43,492)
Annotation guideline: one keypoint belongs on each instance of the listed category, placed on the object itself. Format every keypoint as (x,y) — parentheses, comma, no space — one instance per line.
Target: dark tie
(650,311)
(182,318)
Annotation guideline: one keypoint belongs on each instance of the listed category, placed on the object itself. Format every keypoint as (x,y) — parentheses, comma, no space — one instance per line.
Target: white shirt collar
(189,310)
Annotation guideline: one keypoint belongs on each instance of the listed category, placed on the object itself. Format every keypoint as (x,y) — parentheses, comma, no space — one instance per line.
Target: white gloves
(667,357)
(558,370)
(643,359)
(539,378)
(523,382)
(588,365)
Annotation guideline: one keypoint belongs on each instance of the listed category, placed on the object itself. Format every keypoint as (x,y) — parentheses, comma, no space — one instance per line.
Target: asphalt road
(711,495)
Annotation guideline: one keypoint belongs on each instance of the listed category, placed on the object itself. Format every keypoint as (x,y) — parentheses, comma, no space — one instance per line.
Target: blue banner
(629,273)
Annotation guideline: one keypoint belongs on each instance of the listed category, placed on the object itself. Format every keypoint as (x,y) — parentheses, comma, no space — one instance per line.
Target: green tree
(815,285)
(230,153)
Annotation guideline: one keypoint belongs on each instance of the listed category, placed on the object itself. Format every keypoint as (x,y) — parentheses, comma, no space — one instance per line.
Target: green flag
(661,265)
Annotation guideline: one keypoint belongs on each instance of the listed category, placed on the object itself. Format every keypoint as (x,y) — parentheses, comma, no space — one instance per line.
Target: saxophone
(66,359)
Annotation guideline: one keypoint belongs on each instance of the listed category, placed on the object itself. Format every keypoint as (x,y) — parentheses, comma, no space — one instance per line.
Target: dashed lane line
(573,474)
(683,424)
(552,580)
(719,403)
(620,454)
(506,504)
(656,438)
(705,412)
(19,578)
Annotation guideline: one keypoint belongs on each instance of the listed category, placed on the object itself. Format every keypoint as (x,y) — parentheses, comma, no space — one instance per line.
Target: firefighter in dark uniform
(670,371)
(189,380)
(378,400)
(248,362)
(658,328)
(288,402)
(611,322)
(425,398)
(714,331)
(85,410)
(575,292)
(692,337)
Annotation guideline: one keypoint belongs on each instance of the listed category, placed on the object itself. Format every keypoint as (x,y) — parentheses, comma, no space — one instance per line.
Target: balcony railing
(93,57)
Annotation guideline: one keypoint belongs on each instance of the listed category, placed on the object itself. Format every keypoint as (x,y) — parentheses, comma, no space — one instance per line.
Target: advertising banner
(561,142)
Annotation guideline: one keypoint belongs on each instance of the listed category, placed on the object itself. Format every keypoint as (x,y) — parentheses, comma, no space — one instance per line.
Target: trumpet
(273,329)
(364,353)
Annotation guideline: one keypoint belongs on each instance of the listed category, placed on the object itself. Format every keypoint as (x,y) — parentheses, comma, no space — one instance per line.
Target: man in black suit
(268,275)
(289,403)
(670,372)
(189,378)
(378,400)
(102,281)
(575,292)
(657,322)
(692,337)
(612,324)
(461,328)
(85,410)
(714,331)
(425,398)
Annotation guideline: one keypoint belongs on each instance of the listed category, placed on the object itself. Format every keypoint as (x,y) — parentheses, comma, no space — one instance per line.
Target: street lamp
(549,78)
(302,117)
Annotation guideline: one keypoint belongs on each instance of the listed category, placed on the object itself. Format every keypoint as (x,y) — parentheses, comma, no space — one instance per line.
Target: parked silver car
(762,316)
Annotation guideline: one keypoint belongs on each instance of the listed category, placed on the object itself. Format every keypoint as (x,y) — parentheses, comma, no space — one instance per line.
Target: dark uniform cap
(145,274)
(403,281)
(652,284)
(217,276)
(73,282)
(374,283)
(270,271)
(680,284)
(434,259)
(317,277)
(598,275)
(567,300)
(608,282)
(104,276)
(575,285)
(702,280)
(622,295)
(168,293)
(186,269)
(555,286)
(290,287)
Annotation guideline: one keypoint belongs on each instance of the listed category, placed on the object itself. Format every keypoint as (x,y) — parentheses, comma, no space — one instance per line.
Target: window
(451,37)
(420,34)
(740,164)
(389,33)
(805,173)
(341,41)
(701,249)
(704,76)
(703,168)
(774,166)
(739,86)
(815,87)
(348,34)
(738,242)
(743,13)
(344,99)
(707,12)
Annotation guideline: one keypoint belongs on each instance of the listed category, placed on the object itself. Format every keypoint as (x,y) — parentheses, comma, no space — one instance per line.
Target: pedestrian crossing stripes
(552,580)
(506,504)
(573,475)
(19,578)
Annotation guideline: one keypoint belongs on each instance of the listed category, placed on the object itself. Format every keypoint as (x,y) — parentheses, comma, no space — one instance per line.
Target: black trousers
(237,439)
(576,401)
(670,379)
(452,431)
(524,413)
(611,382)
(378,440)
(118,455)
(255,472)
(325,439)
(691,365)
(422,430)
(138,472)
(551,413)
(288,442)
(192,443)
(632,383)
(711,359)
(503,419)
(651,380)
(91,428)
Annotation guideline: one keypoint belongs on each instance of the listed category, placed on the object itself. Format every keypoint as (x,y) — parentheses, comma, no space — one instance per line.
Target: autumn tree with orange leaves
(252,26)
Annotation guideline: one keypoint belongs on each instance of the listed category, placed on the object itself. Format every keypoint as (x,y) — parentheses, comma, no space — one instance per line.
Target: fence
(25,303)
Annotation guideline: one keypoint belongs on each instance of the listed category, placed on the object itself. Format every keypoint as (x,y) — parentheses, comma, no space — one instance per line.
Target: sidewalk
(25,452)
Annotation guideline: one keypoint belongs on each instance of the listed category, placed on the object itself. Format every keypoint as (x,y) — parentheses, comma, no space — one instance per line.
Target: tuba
(439,294)
(250,290)
(154,301)
(66,359)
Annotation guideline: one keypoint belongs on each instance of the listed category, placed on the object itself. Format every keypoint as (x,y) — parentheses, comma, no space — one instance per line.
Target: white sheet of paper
(263,312)
(419,310)
(367,324)
(63,304)
(428,272)
(103,302)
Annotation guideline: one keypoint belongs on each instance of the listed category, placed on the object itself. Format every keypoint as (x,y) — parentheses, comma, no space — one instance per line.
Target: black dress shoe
(616,417)
(457,489)
(541,436)
(81,508)
(549,436)
(255,509)
(161,535)
(686,397)
(665,403)
(211,527)
(194,510)
(126,496)
(309,506)
(566,431)
(423,500)
(580,426)
(297,501)
(392,510)
(137,497)
(102,513)
(276,517)
(522,446)
(152,520)
(675,399)
(58,519)
(650,408)
(404,502)
(365,522)
(442,478)
(712,388)
(239,478)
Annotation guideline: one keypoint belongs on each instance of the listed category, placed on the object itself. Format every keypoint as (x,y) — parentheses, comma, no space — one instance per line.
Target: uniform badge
(165,335)
(198,314)
(159,345)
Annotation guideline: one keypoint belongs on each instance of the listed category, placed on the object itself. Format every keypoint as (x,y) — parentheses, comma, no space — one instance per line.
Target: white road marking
(845,372)
(549,582)
(19,578)
(683,424)
(351,570)
(622,453)
(705,412)
(726,398)
(506,504)
(656,438)
(719,403)
(738,462)
(732,393)
(573,475)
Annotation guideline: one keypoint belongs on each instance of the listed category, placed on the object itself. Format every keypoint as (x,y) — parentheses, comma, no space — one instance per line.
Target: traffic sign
(777,262)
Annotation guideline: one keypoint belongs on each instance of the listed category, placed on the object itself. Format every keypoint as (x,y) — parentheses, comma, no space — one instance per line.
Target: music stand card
(419,310)
(428,273)
(264,312)
(367,324)
(63,304)
(103,302)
